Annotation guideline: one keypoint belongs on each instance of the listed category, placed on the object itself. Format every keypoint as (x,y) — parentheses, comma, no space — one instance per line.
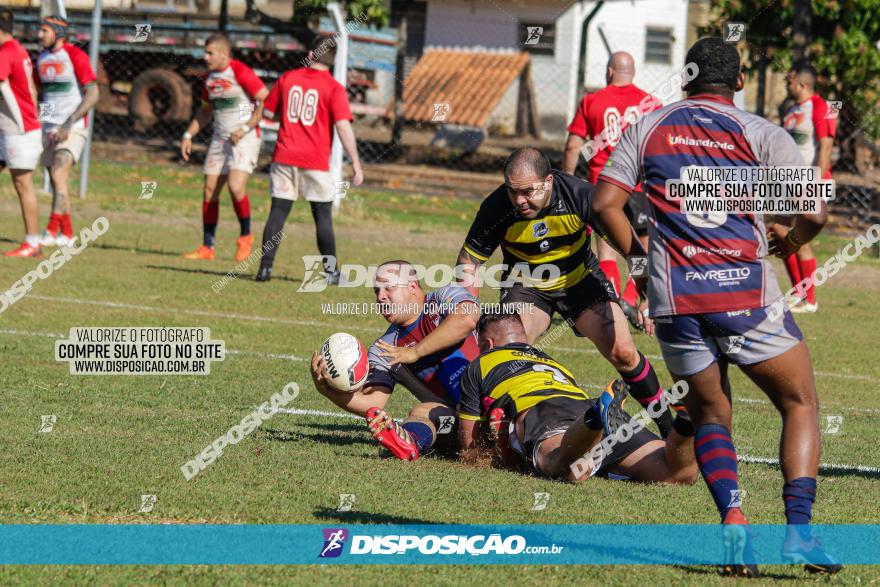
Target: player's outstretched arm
(203,116)
(607,208)
(573,146)
(346,137)
(358,402)
(457,325)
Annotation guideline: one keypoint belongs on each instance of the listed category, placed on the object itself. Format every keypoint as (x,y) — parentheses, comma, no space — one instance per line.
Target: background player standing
(610,110)
(20,136)
(68,88)
(809,124)
(232,93)
(309,104)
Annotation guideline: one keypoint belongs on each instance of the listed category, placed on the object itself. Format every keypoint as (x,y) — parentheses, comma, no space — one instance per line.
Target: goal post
(340,73)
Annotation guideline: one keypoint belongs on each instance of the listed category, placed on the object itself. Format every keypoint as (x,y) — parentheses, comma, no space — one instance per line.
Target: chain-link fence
(443,113)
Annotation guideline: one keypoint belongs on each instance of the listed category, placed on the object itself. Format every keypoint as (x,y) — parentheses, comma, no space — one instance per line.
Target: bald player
(610,110)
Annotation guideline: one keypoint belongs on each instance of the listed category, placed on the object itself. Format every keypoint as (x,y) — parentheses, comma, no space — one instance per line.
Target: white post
(94,46)
(340,73)
(48,9)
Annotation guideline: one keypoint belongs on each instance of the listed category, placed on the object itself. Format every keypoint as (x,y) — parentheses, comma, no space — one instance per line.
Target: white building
(653,31)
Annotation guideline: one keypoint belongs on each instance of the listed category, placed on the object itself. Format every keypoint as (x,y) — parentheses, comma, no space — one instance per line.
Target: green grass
(118,437)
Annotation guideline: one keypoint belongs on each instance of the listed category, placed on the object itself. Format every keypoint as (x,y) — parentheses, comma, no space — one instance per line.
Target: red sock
(54,223)
(793,269)
(609,268)
(808,267)
(210,212)
(630,295)
(243,211)
(66,225)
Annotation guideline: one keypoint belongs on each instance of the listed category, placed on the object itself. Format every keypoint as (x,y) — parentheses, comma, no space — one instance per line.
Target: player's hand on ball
(397,354)
(778,245)
(318,368)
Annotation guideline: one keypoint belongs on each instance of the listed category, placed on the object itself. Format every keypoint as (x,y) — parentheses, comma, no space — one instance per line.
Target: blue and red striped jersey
(708,262)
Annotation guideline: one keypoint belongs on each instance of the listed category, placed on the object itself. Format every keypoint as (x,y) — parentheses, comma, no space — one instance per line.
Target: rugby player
(68,86)
(610,111)
(428,345)
(541,216)
(309,104)
(20,135)
(709,303)
(554,422)
(232,94)
(810,124)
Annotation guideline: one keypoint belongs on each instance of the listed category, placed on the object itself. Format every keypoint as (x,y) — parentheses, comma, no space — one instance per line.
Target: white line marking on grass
(190,312)
(822,466)
(741,458)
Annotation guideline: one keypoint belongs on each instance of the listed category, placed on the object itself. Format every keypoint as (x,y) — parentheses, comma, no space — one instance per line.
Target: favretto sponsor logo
(719,275)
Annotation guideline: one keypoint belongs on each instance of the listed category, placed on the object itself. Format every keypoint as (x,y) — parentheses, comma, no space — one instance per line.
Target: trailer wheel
(159,95)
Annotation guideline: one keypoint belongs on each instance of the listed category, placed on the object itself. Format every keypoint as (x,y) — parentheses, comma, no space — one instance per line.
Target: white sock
(33,240)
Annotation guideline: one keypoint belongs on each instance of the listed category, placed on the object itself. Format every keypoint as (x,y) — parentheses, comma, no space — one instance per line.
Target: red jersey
(309,102)
(807,123)
(611,107)
(17,68)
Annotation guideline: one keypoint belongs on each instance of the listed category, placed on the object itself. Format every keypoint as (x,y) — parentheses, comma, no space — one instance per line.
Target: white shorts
(287,182)
(75,143)
(22,151)
(223,156)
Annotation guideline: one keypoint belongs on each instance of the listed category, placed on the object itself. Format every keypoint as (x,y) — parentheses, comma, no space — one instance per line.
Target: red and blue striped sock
(716,457)
(644,386)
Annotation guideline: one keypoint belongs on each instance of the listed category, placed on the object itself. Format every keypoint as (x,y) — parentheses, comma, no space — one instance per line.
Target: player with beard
(426,348)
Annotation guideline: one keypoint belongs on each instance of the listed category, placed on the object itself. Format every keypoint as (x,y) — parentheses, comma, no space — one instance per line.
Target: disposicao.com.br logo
(453,544)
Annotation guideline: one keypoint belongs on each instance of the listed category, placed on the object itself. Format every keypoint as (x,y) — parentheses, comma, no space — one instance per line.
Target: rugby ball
(347,364)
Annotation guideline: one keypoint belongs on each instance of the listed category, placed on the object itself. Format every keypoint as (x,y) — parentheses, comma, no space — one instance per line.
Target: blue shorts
(692,342)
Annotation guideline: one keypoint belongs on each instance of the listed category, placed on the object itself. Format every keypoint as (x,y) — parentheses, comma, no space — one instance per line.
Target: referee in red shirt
(309,104)
(610,110)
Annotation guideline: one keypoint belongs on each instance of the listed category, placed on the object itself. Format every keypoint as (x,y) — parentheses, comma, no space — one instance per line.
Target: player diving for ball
(554,423)
(427,347)
(541,216)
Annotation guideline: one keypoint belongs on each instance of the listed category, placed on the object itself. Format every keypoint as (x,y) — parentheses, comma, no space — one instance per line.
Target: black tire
(159,95)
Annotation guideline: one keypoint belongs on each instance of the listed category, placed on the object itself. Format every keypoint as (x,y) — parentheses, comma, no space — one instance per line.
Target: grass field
(118,437)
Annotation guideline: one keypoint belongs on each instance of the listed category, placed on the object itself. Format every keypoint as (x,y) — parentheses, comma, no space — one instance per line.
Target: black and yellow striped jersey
(558,236)
(514,377)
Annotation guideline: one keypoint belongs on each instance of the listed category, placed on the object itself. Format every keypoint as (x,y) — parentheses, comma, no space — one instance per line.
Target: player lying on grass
(426,349)
(704,324)
(541,216)
(554,422)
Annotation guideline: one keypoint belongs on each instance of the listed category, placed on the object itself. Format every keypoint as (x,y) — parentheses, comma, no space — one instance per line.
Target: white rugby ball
(347,363)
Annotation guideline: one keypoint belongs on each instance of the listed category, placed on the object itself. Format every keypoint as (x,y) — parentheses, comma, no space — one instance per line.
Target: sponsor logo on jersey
(689,142)
(719,275)
(539,229)
(692,251)
(544,246)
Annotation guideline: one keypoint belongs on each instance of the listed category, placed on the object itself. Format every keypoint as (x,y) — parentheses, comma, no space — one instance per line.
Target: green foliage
(373,11)
(843,50)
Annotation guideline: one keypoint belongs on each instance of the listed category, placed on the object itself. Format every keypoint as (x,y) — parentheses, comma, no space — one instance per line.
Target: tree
(841,46)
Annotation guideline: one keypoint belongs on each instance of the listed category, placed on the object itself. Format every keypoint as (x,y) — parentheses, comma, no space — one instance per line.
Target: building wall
(497,25)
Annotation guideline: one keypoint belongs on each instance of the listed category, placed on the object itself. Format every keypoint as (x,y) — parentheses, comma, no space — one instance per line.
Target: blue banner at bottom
(423,544)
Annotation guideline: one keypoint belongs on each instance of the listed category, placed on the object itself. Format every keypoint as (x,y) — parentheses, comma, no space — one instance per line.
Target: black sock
(322,212)
(645,388)
(274,229)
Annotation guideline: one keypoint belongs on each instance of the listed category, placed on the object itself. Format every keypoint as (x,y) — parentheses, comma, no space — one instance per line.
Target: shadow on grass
(322,437)
(241,276)
(711,570)
(356,517)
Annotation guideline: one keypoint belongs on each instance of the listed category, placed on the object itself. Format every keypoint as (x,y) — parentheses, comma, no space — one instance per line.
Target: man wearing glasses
(540,216)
